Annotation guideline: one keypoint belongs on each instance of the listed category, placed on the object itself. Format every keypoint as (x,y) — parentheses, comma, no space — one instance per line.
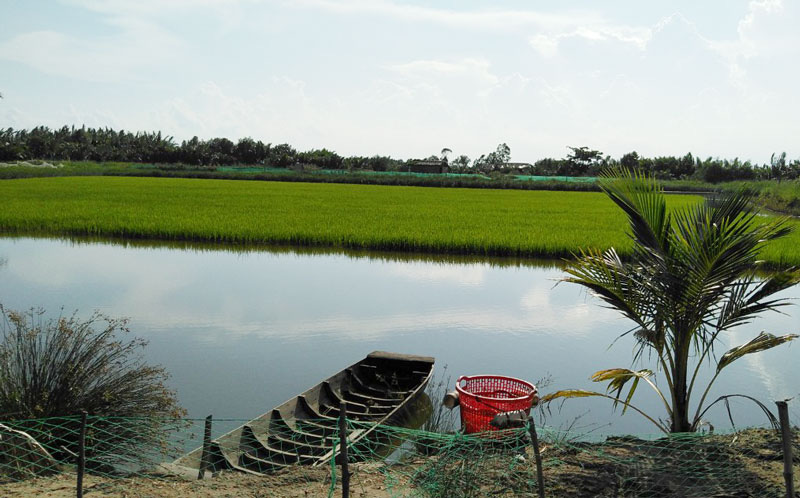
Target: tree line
(69,143)
(586,162)
(105,144)
(583,161)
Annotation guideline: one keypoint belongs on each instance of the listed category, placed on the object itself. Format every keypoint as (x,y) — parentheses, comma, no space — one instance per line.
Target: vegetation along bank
(455,221)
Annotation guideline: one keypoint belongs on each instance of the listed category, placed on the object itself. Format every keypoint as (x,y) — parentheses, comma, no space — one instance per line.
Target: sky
(409,78)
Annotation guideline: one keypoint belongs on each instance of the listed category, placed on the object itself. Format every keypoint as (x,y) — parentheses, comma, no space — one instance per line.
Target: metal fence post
(81,455)
(786,437)
(537,455)
(343,450)
(205,456)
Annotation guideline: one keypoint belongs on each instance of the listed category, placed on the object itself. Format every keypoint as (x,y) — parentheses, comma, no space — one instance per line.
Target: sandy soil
(367,481)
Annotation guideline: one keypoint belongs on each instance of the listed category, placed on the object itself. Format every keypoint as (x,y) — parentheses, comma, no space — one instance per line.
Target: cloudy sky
(407,78)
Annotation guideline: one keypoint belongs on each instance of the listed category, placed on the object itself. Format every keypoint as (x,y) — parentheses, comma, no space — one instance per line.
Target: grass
(782,197)
(450,221)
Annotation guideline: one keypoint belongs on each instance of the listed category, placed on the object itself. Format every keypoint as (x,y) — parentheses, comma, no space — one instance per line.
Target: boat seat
(279,426)
(294,445)
(306,406)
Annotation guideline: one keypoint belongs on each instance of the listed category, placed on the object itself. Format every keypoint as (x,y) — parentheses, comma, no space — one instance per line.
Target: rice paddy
(451,221)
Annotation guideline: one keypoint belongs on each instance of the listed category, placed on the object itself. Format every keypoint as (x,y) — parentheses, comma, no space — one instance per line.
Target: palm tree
(690,278)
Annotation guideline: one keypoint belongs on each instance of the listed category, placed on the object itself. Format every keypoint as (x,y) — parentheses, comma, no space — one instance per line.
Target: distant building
(520,167)
(427,166)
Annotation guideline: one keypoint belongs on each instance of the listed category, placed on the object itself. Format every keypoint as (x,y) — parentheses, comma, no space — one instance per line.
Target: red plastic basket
(481,397)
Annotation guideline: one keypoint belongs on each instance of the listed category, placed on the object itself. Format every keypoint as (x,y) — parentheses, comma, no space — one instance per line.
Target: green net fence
(334,172)
(570,179)
(149,457)
(365,172)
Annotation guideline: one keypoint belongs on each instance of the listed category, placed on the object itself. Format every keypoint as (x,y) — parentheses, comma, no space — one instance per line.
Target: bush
(59,367)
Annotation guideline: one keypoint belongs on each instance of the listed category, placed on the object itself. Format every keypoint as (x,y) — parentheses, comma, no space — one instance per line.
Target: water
(242,331)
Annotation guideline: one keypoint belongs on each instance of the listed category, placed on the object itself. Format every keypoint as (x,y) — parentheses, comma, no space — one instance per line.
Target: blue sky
(365,77)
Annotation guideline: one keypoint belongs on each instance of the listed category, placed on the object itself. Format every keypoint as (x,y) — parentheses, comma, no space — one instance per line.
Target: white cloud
(136,45)
(548,29)
(209,110)
(750,29)
(546,44)
(15,118)
(482,19)
(767,32)
(469,69)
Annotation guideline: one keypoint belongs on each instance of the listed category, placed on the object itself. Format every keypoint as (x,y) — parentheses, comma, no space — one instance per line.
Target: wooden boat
(377,390)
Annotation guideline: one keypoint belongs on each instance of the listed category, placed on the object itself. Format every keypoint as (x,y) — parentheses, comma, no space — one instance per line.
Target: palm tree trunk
(680,398)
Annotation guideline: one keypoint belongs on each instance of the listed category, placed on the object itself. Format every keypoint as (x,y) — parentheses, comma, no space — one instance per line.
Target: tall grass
(449,221)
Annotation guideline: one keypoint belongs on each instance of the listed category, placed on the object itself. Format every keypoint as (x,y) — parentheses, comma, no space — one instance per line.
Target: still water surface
(242,331)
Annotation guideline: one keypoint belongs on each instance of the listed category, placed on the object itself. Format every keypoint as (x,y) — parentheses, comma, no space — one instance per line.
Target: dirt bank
(747,464)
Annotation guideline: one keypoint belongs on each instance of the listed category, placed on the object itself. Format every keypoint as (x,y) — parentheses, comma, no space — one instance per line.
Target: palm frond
(777,282)
(761,342)
(607,277)
(641,198)
(773,421)
(582,393)
(617,378)
(747,299)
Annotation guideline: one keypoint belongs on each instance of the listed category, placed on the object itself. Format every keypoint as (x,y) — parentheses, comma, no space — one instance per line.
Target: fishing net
(134,457)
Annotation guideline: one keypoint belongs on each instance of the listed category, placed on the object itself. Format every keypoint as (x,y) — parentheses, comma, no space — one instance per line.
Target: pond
(241,331)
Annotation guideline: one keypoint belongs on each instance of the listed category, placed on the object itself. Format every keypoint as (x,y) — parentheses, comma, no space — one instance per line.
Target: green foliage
(493,161)
(249,151)
(321,158)
(630,160)
(691,277)
(550,167)
(582,160)
(282,156)
(460,164)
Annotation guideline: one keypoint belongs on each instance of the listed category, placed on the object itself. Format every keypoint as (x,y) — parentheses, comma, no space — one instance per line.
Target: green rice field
(450,221)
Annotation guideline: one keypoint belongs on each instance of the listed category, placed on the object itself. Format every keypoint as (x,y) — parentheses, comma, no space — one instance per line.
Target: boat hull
(378,390)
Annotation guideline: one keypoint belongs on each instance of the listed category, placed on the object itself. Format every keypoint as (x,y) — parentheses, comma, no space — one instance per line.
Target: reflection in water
(243,330)
(212,247)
